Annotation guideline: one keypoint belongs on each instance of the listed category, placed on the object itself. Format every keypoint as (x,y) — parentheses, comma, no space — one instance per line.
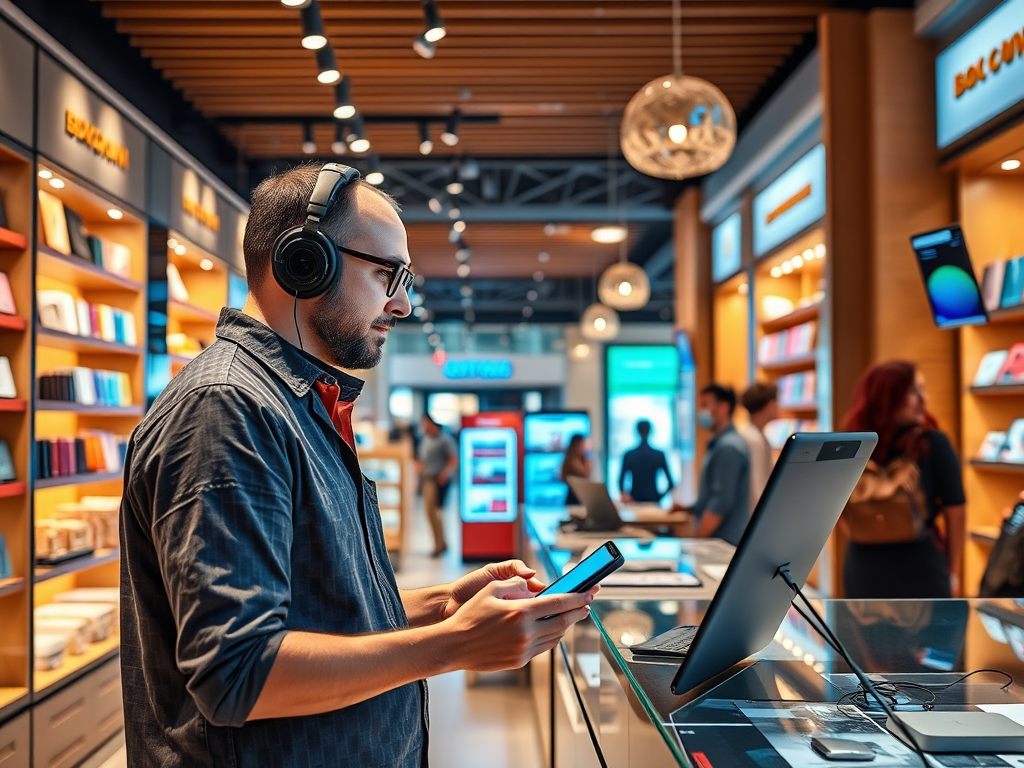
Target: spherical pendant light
(677,127)
(624,286)
(599,323)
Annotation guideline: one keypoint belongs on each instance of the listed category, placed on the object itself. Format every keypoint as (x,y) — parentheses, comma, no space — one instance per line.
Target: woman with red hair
(889,400)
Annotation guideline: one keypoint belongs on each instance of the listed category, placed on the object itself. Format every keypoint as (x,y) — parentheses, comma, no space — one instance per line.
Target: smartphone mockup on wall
(948,276)
(606,560)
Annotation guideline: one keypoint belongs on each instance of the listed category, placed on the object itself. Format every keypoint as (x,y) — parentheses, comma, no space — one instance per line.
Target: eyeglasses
(399,274)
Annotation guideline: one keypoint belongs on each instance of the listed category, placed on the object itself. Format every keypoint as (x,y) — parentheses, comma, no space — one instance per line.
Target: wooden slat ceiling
(558,73)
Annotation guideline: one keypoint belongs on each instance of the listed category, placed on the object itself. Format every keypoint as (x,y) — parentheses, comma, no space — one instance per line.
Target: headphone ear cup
(305,264)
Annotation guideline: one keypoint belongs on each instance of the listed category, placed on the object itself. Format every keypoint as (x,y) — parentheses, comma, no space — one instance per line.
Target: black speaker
(306,262)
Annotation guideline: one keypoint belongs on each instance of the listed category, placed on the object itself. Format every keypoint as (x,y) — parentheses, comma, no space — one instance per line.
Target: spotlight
(819,251)
(313,37)
(798,261)
(357,140)
(459,226)
(435,27)
(787,267)
(424,47)
(295,3)
(172,243)
(451,131)
(463,270)
(308,145)
(180,249)
(327,66)
(455,187)
(418,312)
(453,213)
(808,254)
(374,176)
(1010,165)
(463,253)
(339,146)
(45,173)
(426,145)
(206,265)
(57,183)
(115,214)
(453,236)
(434,205)
(776,272)
(344,109)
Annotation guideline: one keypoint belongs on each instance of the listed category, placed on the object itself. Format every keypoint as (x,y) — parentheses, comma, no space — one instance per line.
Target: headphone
(306,262)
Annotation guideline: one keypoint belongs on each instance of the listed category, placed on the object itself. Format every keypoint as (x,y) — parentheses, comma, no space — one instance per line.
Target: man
(438,458)
(261,622)
(762,403)
(642,464)
(723,496)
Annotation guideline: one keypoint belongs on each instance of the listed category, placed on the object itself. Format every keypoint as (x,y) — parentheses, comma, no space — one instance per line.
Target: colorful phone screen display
(949,278)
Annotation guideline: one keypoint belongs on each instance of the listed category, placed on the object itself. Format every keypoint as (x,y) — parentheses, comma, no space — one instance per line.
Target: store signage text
(87,133)
(791,203)
(203,215)
(800,196)
(981,75)
(494,370)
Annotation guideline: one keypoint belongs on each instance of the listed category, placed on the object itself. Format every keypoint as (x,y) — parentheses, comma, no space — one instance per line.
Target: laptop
(601,512)
(805,495)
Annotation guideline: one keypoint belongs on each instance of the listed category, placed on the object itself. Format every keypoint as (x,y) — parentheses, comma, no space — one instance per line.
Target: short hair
(759,396)
(722,394)
(279,203)
(643,428)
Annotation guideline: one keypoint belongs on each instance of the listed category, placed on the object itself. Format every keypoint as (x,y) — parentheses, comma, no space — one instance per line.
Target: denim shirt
(245,516)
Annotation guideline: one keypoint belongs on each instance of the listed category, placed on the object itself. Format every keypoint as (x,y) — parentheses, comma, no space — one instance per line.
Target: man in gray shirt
(723,497)
(438,457)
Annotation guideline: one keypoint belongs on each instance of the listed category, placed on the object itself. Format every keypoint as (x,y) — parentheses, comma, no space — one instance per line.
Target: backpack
(888,506)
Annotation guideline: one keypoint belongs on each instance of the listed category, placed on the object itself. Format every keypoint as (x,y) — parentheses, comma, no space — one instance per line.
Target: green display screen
(638,369)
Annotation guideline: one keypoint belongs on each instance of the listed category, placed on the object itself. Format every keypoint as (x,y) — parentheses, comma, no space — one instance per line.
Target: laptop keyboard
(675,642)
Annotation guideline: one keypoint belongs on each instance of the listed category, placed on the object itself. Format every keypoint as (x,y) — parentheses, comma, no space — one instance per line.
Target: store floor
(489,723)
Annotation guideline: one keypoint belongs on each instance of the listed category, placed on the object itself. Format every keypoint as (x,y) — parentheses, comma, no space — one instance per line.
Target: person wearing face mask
(722,508)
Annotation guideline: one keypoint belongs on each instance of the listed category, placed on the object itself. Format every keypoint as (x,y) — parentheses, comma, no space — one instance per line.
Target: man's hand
(469,585)
(503,625)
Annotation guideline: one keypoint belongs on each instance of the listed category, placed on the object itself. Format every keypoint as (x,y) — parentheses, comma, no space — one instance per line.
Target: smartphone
(588,572)
(949,278)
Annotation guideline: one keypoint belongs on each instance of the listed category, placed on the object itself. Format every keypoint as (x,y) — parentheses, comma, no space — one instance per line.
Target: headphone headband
(332,178)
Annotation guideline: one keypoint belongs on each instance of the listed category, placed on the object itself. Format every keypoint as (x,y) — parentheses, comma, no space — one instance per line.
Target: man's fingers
(547,605)
(512,588)
(510,568)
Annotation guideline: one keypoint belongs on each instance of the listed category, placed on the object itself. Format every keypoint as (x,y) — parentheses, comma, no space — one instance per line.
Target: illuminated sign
(791,203)
(204,216)
(981,75)
(726,253)
(199,201)
(494,370)
(95,139)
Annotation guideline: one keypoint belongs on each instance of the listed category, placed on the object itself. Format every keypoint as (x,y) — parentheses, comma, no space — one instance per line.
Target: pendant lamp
(599,323)
(676,126)
(624,286)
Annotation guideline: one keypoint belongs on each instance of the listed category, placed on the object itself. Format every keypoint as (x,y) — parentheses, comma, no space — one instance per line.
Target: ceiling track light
(344,109)
(295,3)
(373,173)
(308,145)
(313,36)
(339,146)
(357,140)
(435,29)
(327,66)
(426,145)
(451,131)
(423,47)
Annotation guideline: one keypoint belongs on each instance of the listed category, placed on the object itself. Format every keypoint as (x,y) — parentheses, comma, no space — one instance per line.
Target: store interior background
(208,98)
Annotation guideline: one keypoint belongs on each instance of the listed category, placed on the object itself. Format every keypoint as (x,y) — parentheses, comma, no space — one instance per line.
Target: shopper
(762,403)
(261,622)
(642,465)
(889,400)
(723,494)
(576,464)
(438,459)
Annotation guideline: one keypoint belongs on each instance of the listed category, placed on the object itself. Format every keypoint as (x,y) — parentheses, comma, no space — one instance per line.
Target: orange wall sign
(1012,48)
(95,139)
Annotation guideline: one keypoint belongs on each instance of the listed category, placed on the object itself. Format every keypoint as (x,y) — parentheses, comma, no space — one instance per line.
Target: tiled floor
(491,723)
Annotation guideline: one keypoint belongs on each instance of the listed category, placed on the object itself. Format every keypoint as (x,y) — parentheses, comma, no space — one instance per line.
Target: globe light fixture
(599,323)
(624,286)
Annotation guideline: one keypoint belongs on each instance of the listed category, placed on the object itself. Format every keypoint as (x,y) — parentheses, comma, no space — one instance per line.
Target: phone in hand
(605,560)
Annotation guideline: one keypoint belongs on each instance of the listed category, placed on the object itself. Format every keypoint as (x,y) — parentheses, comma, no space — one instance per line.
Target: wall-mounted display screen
(791,203)
(547,435)
(726,248)
(949,278)
(489,470)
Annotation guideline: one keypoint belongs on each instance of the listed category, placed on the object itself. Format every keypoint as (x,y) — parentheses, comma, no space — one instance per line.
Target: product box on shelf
(49,650)
(59,540)
(99,616)
(989,368)
(75,631)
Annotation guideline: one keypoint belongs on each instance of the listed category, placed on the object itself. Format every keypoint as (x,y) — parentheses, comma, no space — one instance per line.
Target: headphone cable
(295,318)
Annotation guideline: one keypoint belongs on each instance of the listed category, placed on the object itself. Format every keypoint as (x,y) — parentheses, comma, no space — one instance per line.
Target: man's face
(351,322)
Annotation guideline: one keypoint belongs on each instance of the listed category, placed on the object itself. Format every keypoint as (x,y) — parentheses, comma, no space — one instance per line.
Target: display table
(597,705)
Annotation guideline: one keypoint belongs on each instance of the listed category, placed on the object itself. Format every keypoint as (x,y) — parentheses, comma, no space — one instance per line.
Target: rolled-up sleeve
(221,526)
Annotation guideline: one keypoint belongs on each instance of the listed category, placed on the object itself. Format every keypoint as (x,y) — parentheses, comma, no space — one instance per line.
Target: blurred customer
(642,464)
(576,464)
(762,403)
(723,495)
(438,460)
(913,466)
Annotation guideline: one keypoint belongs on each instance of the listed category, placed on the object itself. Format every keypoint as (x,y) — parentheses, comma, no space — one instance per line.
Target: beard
(350,343)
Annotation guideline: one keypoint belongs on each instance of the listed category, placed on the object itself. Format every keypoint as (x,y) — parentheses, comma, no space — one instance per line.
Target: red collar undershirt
(340,412)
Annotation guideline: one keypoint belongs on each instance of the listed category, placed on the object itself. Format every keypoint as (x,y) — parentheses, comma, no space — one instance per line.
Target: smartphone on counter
(605,560)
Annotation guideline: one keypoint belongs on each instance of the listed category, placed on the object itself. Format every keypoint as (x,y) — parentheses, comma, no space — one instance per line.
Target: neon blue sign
(492,370)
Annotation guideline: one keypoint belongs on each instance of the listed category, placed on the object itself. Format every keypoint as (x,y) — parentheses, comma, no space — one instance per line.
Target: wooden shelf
(95,654)
(9,696)
(10,490)
(1007,315)
(998,390)
(13,240)
(83,344)
(11,586)
(1004,467)
(796,317)
(74,270)
(83,479)
(985,535)
(100,557)
(190,313)
(790,365)
(799,407)
(13,323)
(88,410)
(8,405)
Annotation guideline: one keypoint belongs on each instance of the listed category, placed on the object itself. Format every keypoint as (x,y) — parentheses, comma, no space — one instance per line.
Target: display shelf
(790,365)
(11,586)
(1007,315)
(83,479)
(807,407)
(100,557)
(79,272)
(47,680)
(796,317)
(13,323)
(83,344)
(87,410)
(985,535)
(11,490)
(998,390)
(1003,467)
(190,313)
(10,695)
(13,240)
(9,405)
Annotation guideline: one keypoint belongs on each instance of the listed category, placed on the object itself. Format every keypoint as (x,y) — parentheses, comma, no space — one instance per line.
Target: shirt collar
(296,368)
